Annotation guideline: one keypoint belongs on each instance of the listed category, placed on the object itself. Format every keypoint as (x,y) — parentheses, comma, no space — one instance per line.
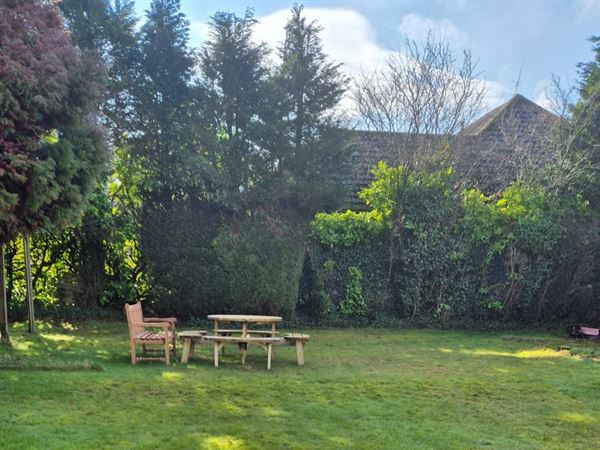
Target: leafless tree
(570,157)
(414,103)
(523,148)
(421,96)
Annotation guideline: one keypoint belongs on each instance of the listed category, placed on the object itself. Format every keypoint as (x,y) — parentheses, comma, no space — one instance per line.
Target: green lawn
(74,387)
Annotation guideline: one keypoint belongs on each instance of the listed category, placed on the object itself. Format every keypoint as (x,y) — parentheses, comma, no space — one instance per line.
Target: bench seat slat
(244,340)
(156,336)
(236,331)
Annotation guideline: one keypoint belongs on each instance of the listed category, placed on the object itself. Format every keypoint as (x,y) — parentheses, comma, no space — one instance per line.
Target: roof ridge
(485,121)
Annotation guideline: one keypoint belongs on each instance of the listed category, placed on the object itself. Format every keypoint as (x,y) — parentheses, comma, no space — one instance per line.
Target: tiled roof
(489,151)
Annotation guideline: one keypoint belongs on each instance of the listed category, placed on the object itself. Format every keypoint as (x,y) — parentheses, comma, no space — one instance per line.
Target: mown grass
(379,389)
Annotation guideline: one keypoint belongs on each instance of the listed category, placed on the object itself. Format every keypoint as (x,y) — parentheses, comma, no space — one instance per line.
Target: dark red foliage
(36,58)
(44,85)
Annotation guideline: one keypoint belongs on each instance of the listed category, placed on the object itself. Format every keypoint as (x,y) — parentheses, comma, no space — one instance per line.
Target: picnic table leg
(269,353)
(244,330)
(273,332)
(217,354)
(216,333)
(243,347)
(186,349)
(300,352)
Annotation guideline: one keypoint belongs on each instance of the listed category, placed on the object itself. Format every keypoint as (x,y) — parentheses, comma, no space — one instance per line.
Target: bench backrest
(134,314)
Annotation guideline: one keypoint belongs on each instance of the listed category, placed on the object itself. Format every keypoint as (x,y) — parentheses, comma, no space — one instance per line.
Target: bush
(248,264)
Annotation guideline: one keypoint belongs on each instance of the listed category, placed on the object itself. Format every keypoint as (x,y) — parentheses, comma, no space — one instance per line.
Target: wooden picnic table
(222,336)
(265,337)
(245,320)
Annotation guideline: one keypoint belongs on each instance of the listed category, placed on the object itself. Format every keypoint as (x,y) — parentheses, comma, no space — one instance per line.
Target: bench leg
(300,352)
(269,354)
(217,354)
(186,349)
(167,351)
(133,356)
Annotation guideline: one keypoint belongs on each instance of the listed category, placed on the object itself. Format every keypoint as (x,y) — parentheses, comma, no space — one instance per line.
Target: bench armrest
(164,325)
(160,319)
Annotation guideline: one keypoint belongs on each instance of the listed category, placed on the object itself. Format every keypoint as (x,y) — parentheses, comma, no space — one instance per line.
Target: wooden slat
(244,340)
(260,332)
(244,318)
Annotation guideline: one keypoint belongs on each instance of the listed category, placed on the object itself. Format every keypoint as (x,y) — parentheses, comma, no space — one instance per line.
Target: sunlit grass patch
(172,376)
(529,353)
(579,418)
(57,337)
(223,443)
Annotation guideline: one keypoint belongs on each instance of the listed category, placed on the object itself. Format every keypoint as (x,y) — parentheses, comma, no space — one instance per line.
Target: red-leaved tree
(51,150)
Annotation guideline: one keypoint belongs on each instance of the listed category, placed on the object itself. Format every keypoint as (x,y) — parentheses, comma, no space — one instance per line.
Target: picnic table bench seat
(190,339)
(297,340)
(239,331)
(266,342)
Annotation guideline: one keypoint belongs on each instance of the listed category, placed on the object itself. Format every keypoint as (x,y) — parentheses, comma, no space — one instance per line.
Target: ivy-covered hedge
(428,253)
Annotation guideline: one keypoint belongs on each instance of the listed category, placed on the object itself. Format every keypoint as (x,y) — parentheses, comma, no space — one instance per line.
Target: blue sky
(534,38)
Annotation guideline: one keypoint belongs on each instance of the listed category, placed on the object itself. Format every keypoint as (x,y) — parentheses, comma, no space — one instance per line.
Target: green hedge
(430,254)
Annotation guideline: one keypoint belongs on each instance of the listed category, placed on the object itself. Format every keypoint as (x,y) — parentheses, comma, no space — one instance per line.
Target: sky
(525,40)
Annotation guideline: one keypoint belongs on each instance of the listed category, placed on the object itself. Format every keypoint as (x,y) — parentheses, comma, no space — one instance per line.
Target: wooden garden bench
(265,342)
(139,334)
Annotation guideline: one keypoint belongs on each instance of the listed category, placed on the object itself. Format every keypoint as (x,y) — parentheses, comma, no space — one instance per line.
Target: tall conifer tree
(234,76)
(309,89)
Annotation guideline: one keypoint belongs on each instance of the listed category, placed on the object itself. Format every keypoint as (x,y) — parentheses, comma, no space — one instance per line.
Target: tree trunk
(29,283)
(4,336)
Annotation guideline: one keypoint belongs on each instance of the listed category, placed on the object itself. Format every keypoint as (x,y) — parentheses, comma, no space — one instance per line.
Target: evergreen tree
(589,103)
(106,29)
(234,77)
(164,106)
(312,148)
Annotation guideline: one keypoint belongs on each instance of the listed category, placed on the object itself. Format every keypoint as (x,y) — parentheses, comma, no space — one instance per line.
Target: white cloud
(496,93)
(199,32)
(417,27)
(541,95)
(347,36)
(587,8)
